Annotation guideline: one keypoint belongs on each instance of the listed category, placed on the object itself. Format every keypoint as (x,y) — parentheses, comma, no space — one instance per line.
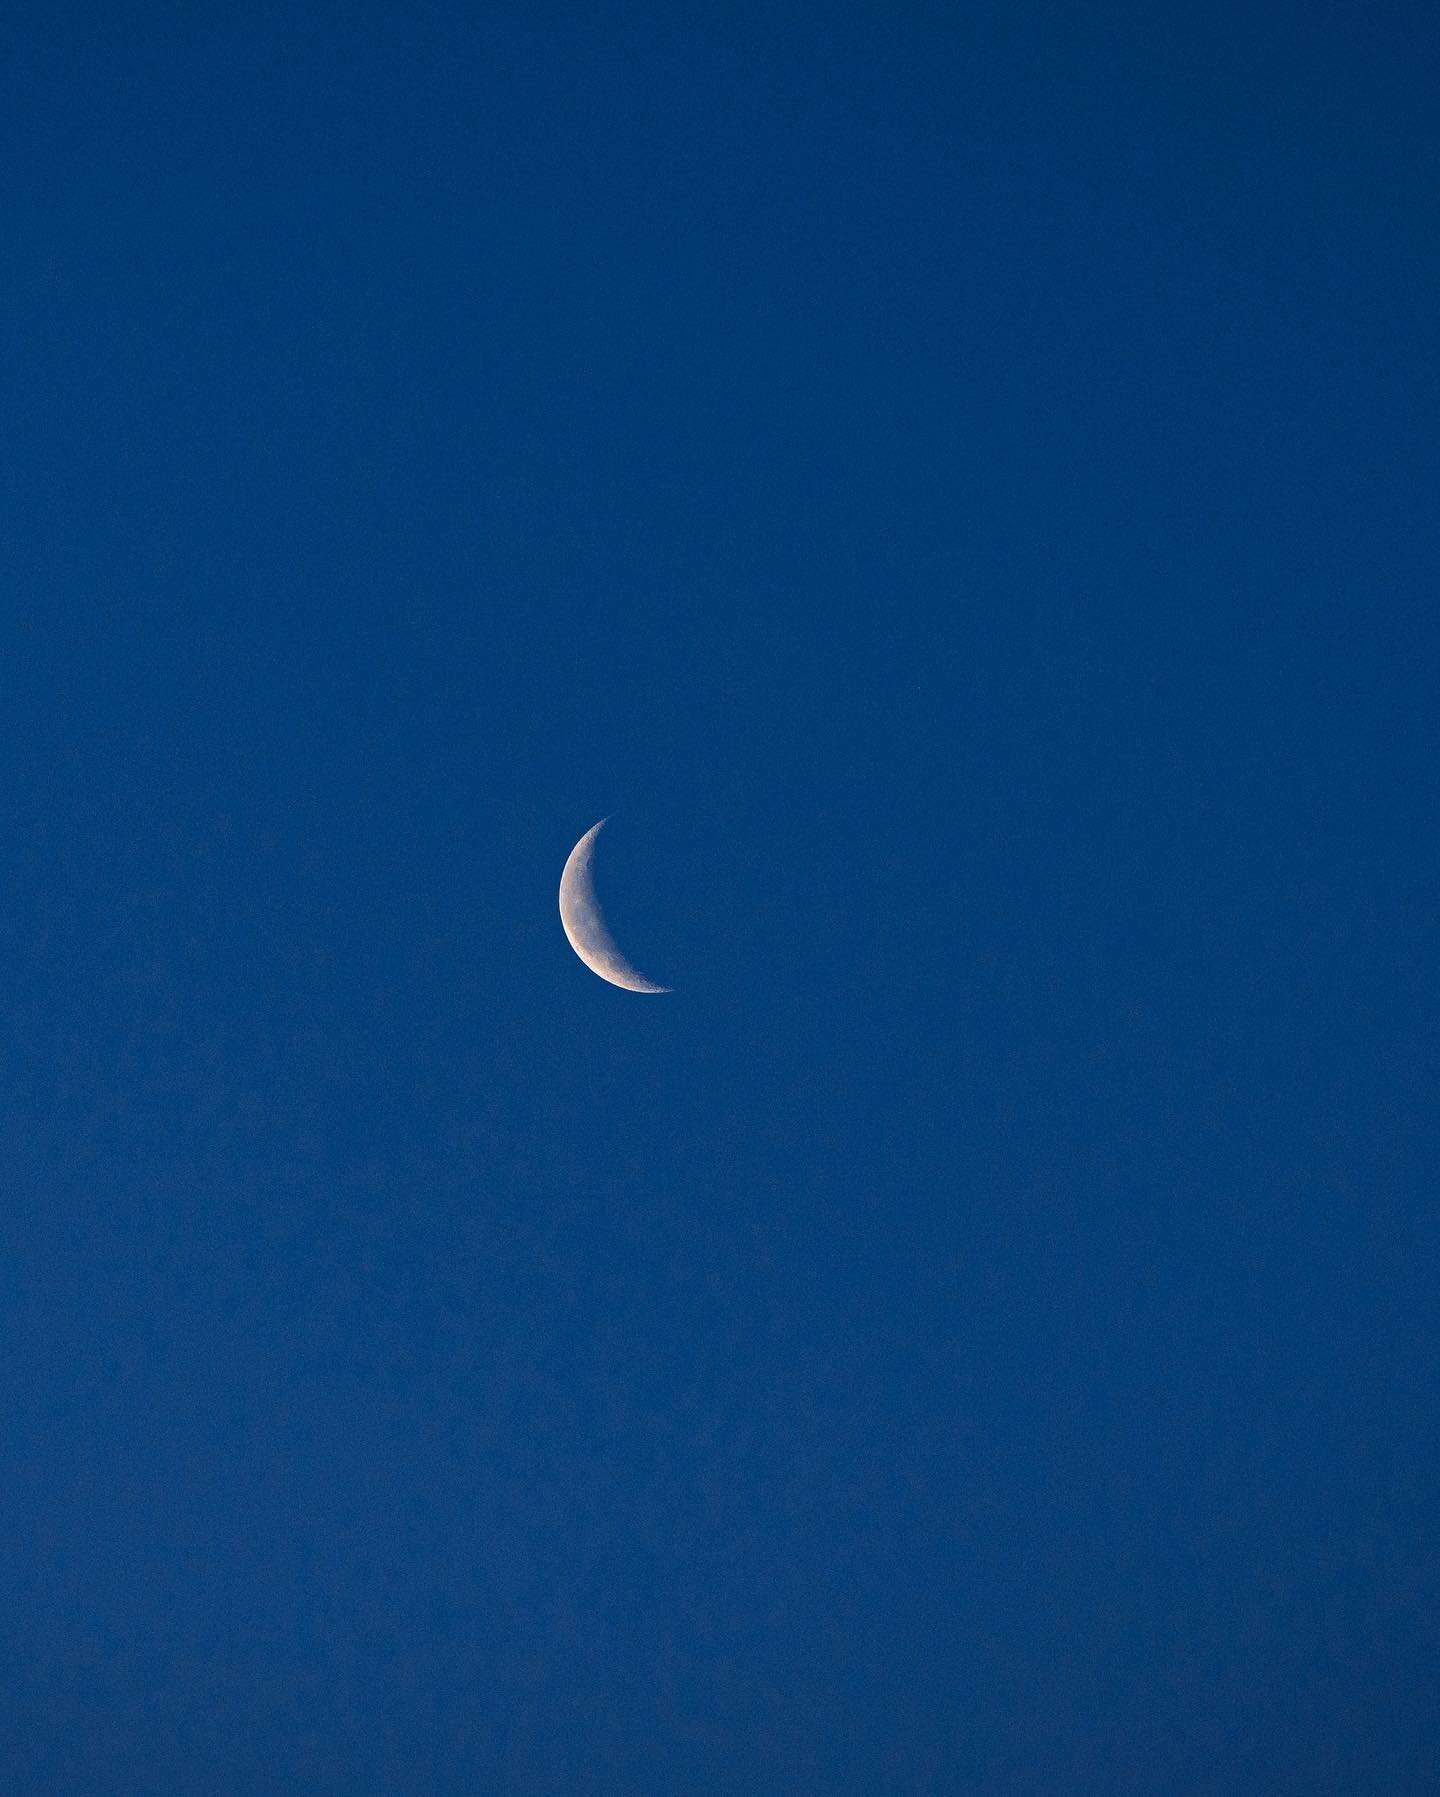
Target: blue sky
(958,486)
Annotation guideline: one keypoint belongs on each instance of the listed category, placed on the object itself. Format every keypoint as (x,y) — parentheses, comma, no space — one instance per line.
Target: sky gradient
(958,485)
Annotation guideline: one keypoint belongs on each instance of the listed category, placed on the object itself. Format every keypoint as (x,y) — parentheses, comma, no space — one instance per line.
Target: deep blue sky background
(958,484)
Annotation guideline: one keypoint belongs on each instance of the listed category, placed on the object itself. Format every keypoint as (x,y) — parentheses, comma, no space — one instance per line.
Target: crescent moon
(585,922)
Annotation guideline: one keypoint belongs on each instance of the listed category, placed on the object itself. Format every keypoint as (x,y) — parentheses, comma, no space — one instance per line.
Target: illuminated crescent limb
(584,922)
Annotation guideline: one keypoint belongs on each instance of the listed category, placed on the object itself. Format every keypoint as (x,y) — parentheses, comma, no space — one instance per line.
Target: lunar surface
(585,922)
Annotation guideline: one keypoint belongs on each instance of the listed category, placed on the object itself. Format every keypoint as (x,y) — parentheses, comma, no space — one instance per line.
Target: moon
(585,922)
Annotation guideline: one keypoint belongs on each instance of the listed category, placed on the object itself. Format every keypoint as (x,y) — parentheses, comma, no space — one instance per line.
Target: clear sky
(958,484)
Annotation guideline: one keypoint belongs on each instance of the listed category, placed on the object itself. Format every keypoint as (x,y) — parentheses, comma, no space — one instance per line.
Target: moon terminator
(584,922)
